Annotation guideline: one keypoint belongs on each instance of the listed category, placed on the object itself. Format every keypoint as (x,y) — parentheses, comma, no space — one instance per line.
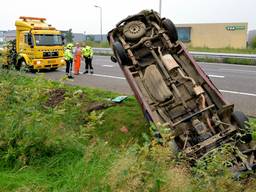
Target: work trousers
(77,64)
(69,67)
(88,64)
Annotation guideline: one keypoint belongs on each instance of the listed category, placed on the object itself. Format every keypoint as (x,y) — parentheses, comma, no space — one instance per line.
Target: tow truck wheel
(120,53)
(171,30)
(134,30)
(21,64)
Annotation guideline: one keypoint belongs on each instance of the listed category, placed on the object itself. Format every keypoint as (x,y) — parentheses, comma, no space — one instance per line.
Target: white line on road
(223,91)
(238,93)
(237,70)
(109,76)
(107,65)
(224,64)
(217,76)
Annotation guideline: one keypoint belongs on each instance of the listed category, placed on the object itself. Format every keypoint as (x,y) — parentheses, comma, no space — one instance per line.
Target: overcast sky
(82,16)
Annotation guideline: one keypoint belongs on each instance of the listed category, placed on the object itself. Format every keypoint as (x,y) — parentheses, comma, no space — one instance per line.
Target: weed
(48,145)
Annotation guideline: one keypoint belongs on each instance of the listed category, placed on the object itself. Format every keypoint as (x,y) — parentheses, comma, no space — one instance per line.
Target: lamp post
(160,7)
(100,20)
(84,35)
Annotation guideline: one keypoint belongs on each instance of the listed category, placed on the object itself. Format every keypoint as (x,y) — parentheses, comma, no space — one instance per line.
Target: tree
(69,36)
(90,37)
(254,42)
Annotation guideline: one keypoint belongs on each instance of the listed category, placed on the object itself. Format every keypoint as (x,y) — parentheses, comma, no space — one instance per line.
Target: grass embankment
(223,50)
(104,44)
(225,60)
(59,138)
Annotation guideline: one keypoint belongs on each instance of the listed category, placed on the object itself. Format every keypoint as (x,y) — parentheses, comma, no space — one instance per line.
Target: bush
(30,129)
(254,42)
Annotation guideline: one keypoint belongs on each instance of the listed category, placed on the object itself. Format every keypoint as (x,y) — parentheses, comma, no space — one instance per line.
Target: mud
(56,96)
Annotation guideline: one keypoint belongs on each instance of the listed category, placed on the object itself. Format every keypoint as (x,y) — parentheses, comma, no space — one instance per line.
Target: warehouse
(214,35)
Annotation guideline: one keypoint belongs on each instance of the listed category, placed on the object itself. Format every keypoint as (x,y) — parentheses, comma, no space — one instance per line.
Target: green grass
(226,60)
(103,44)
(64,148)
(223,50)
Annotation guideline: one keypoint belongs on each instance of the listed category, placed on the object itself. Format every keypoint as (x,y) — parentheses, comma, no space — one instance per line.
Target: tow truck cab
(38,44)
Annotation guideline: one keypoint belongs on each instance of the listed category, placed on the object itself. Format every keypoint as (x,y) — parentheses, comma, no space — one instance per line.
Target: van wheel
(240,118)
(134,30)
(171,30)
(174,147)
(120,53)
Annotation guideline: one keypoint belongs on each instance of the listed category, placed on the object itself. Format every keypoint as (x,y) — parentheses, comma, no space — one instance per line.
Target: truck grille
(49,54)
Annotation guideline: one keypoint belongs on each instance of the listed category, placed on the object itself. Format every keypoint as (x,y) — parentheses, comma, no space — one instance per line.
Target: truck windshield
(48,39)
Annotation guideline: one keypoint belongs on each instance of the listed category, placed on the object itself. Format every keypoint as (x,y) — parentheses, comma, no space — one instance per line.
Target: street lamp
(160,7)
(84,35)
(100,20)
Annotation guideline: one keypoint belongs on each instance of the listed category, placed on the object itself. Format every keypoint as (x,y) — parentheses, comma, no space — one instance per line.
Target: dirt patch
(56,96)
(95,106)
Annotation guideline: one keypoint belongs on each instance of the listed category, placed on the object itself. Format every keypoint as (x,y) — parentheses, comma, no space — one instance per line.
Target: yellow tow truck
(38,45)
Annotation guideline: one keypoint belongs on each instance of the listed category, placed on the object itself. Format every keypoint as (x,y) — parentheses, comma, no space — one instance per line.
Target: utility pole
(160,7)
(100,21)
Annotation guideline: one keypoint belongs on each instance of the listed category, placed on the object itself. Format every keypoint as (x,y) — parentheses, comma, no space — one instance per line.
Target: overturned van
(174,91)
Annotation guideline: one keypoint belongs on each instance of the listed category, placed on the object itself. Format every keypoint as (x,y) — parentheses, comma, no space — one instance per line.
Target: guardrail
(194,53)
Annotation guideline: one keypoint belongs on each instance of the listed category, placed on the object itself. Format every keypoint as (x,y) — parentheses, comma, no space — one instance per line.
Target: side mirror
(113,59)
(63,39)
(30,40)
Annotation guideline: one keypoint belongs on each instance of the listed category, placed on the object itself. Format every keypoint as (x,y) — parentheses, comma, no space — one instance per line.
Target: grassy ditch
(59,138)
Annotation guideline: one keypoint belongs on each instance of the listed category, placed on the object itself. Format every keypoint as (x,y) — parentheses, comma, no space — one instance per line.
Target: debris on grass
(124,129)
(119,99)
(95,106)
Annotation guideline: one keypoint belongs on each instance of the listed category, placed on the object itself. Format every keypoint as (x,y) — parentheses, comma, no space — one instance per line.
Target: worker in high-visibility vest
(69,60)
(77,59)
(88,55)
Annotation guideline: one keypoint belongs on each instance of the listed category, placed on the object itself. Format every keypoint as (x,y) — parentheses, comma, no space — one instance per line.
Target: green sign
(235,27)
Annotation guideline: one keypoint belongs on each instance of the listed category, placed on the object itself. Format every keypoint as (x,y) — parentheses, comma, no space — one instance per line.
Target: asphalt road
(236,82)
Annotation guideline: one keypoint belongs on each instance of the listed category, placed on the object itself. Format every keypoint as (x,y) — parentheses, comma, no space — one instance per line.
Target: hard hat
(69,46)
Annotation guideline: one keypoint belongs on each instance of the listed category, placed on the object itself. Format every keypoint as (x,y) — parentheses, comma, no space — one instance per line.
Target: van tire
(134,30)
(120,53)
(240,118)
(171,30)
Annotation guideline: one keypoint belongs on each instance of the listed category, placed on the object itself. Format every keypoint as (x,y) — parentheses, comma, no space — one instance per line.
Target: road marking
(223,91)
(109,76)
(229,65)
(237,70)
(217,76)
(107,65)
(238,93)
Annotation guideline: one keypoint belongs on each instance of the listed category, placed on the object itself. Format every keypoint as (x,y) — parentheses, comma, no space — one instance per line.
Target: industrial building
(214,35)
(209,35)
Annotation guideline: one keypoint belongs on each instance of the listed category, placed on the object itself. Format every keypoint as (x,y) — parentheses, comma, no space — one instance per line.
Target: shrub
(254,42)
